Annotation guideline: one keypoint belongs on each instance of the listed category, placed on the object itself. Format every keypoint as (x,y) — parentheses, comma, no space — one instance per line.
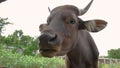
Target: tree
(18,33)
(31,48)
(3,23)
(114,53)
(22,43)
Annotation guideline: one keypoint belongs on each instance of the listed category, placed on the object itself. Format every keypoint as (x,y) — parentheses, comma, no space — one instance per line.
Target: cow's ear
(95,25)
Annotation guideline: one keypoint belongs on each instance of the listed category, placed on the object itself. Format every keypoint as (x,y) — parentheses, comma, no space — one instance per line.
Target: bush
(109,65)
(16,60)
(114,53)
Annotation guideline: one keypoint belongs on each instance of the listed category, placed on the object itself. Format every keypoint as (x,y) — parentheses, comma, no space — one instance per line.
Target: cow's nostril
(43,37)
(48,38)
(53,38)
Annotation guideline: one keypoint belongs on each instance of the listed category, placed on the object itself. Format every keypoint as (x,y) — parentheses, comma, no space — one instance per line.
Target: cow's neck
(73,59)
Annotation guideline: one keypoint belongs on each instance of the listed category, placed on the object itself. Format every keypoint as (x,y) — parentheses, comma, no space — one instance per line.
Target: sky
(29,14)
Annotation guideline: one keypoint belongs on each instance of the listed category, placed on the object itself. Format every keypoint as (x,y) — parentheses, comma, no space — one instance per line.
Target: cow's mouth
(48,52)
(49,44)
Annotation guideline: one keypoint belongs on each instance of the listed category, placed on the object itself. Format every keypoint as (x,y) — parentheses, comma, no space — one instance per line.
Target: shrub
(109,65)
(16,60)
(114,53)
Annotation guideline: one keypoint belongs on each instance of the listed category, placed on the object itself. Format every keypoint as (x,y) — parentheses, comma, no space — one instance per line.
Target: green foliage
(2,46)
(109,65)
(16,60)
(10,60)
(29,50)
(3,23)
(114,53)
(17,40)
(20,41)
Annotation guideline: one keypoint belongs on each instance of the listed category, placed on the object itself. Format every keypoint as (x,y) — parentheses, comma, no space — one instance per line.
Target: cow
(67,34)
(2,1)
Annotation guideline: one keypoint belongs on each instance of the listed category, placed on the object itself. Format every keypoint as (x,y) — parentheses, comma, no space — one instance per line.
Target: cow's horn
(2,1)
(49,9)
(83,11)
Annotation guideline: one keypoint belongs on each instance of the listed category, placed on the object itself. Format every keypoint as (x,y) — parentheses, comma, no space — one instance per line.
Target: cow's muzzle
(49,44)
(48,38)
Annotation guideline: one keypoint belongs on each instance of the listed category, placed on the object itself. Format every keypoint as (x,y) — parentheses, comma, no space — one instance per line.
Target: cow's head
(60,34)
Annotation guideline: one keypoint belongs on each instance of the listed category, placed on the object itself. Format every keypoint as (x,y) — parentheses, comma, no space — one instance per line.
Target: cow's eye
(72,21)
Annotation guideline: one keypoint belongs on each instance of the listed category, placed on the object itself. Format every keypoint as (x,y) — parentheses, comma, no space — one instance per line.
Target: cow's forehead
(66,8)
(63,12)
(62,16)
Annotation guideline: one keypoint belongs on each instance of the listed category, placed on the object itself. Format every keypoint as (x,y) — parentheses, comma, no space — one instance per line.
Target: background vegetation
(109,65)
(16,60)
(114,53)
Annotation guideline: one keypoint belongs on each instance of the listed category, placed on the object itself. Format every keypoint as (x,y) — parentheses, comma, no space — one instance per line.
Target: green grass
(10,60)
(113,65)
(16,60)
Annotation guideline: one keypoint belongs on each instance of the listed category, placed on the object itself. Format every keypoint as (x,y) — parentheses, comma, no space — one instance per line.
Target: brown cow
(2,1)
(66,34)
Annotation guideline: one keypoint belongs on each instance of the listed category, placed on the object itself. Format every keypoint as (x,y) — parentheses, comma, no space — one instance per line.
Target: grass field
(116,65)
(10,60)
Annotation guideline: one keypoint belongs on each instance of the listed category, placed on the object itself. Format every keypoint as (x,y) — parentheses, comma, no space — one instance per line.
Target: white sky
(29,14)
